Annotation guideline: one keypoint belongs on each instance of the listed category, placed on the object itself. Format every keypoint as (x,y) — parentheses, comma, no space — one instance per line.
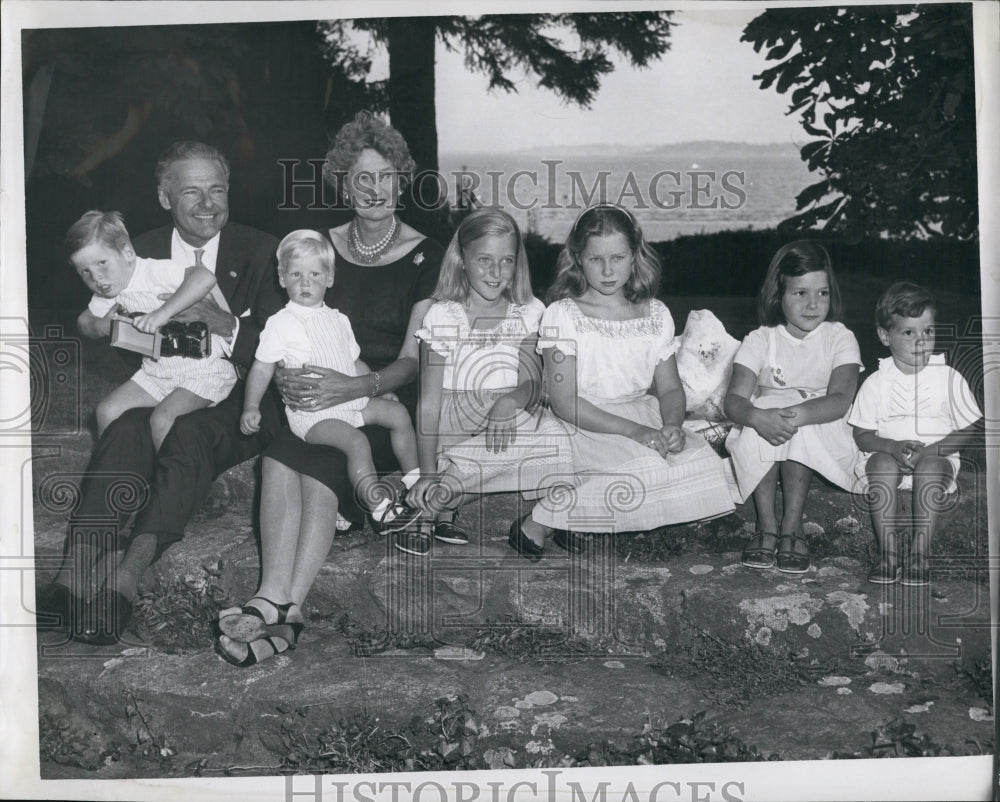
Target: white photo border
(914,778)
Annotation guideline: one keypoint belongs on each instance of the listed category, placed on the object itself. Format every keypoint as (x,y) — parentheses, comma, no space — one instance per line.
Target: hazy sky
(702,88)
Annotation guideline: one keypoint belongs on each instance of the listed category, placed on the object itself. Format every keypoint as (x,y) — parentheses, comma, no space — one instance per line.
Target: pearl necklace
(369,254)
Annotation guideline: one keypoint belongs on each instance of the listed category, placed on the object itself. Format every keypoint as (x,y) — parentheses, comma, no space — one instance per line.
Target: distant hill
(701,148)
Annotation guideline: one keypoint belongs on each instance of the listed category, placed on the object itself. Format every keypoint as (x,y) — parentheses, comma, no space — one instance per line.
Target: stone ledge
(205,707)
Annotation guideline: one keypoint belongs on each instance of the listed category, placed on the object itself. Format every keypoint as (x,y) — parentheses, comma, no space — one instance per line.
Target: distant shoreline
(708,147)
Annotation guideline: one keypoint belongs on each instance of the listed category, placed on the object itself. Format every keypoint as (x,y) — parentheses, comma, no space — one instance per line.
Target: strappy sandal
(759,550)
(248,623)
(917,574)
(793,554)
(258,650)
(887,570)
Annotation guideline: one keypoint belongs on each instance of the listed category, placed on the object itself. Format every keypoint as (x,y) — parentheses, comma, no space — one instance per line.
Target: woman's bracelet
(378,384)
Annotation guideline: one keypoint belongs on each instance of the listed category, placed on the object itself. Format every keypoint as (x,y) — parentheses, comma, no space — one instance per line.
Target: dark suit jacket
(247,272)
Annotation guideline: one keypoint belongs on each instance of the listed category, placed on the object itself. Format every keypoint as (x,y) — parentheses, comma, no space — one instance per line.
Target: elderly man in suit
(193,185)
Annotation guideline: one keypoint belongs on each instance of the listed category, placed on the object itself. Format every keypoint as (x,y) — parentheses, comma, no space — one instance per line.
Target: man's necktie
(216,293)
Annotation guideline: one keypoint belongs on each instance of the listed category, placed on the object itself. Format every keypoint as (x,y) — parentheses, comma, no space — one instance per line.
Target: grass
(452,738)
(733,673)
(360,743)
(179,614)
(685,741)
(900,738)
(365,640)
(512,637)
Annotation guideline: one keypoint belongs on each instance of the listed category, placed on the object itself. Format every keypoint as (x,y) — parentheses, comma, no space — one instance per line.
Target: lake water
(674,190)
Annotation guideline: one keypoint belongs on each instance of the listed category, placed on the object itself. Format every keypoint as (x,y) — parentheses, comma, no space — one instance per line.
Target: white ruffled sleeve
(440,330)
(557,329)
(667,343)
(531,315)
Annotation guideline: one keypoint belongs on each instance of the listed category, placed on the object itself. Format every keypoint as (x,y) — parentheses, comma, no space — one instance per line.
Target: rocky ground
(654,647)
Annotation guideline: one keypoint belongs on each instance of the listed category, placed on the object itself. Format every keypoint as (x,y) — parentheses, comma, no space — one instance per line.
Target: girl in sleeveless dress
(480,427)
(608,347)
(793,382)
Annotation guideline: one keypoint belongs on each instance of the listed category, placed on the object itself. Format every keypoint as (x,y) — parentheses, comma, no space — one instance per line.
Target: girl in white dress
(480,427)
(608,347)
(793,382)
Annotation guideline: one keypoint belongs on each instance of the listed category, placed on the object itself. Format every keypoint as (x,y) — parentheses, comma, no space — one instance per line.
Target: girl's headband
(606,205)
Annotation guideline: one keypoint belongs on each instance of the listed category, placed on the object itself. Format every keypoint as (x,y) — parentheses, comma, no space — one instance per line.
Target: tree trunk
(411,92)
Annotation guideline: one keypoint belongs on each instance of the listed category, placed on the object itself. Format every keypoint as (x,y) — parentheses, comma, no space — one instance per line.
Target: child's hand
(151,322)
(651,438)
(675,438)
(427,494)
(501,425)
(250,421)
(774,425)
(907,453)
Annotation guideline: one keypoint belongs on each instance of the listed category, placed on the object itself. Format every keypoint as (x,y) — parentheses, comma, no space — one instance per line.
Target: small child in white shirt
(308,332)
(910,418)
(101,253)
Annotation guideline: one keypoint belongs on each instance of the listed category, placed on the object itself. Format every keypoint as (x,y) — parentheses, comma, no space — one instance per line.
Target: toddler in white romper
(306,332)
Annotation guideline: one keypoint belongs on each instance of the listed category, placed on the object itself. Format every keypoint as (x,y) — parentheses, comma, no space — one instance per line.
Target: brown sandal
(757,553)
(793,554)
(887,570)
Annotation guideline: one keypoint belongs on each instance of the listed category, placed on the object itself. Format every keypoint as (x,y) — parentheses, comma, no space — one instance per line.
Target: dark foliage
(888,92)
(359,743)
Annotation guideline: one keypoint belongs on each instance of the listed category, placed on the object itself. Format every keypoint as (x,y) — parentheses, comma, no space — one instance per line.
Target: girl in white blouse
(480,428)
(608,346)
(793,382)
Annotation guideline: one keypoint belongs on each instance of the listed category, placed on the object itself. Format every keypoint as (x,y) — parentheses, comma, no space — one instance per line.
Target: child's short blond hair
(97,226)
(303,242)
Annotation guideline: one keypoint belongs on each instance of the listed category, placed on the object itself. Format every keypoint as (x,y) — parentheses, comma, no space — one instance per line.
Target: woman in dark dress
(385,274)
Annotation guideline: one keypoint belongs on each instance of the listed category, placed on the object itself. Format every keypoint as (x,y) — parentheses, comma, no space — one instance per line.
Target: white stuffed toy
(705,364)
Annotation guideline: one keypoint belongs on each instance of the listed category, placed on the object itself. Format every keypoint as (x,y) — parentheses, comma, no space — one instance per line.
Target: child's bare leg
(394,417)
(764,499)
(883,479)
(455,502)
(534,531)
(354,445)
(760,548)
(795,480)
(128,396)
(931,477)
(179,402)
(793,551)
